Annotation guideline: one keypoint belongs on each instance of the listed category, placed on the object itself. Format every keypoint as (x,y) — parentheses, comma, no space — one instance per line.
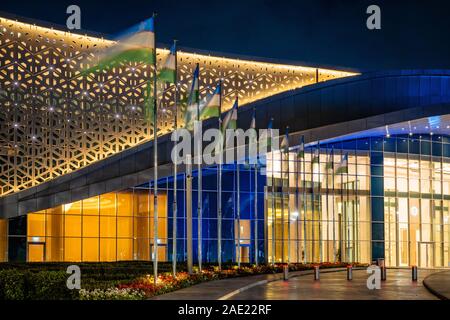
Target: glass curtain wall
(110,227)
(242,230)
(417,199)
(119,226)
(395,196)
(315,214)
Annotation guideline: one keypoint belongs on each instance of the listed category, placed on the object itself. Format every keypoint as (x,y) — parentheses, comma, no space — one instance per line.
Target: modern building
(76,166)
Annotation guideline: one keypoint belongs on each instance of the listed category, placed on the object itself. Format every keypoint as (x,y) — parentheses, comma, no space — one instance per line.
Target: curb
(433,291)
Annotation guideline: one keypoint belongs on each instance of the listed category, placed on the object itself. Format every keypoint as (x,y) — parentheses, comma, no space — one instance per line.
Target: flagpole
(155,168)
(282,205)
(238,206)
(304,204)
(333,200)
(273,199)
(312,205)
(175,208)
(199,188)
(297,206)
(319,205)
(288,198)
(326,200)
(219,186)
(255,215)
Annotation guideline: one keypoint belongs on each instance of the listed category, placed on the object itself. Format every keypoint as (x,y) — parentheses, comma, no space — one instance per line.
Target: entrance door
(425,254)
(36,251)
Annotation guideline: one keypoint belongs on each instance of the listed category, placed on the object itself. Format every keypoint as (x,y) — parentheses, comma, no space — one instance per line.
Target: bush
(27,285)
(12,285)
(49,285)
(112,294)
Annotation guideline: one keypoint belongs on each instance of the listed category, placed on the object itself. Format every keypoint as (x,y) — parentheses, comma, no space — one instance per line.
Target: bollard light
(350,272)
(316,273)
(383,273)
(414,273)
(285,272)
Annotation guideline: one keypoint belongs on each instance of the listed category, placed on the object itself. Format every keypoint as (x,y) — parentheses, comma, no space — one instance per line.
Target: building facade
(76,169)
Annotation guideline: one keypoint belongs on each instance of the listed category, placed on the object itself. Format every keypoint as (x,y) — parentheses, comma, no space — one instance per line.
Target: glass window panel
(107,227)
(91,226)
(125,204)
(108,204)
(125,227)
(107,249)
(54,248)
(90,249)
(125,249)
(425,147)
(73,208)
(90,206)
(36,226)
(3,240)
(72,249)
(72,226)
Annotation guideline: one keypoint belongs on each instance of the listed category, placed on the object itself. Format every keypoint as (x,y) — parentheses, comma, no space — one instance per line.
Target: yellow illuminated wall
(110,227)
(3,240)
(58,120)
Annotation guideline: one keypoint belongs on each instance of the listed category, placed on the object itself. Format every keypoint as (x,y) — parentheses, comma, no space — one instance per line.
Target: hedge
(42,285)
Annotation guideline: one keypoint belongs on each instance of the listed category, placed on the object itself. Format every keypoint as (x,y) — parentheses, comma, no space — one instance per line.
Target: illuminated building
(76,165)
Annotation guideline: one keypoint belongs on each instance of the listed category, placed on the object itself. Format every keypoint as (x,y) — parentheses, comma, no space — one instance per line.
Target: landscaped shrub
(27,285)
(112,294)
(49,285)
(12,285)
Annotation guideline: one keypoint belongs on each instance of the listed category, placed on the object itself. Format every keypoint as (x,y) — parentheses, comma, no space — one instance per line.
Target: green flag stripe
(142,55)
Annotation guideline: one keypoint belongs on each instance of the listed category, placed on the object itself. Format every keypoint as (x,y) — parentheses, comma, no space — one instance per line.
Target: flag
(230,121)
(285,143)
(343,165)
(148,103)
(330,163)
(137,44)
(191,113)
(301,150)
(211,106)
(168,70)
(253,123)
(316,154)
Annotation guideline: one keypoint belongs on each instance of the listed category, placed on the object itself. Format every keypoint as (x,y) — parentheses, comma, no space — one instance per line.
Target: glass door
(36,251)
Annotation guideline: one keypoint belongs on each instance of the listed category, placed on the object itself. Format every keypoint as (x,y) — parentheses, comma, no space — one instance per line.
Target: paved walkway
(220,289)
(334,286)
(439,284)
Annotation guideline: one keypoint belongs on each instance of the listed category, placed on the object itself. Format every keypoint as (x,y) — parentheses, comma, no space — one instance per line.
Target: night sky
(414,34)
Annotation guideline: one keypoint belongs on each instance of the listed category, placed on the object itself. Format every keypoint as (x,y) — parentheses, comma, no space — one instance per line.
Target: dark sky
(414,34)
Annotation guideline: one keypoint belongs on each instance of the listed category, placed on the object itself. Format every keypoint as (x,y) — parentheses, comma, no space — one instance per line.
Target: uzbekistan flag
(212,105)
(343,166)
(230,121)
(193,101)
(253,123)
(168,70)
(137,44)
(316,154)
(330,163)
(301,150)
(285,142)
